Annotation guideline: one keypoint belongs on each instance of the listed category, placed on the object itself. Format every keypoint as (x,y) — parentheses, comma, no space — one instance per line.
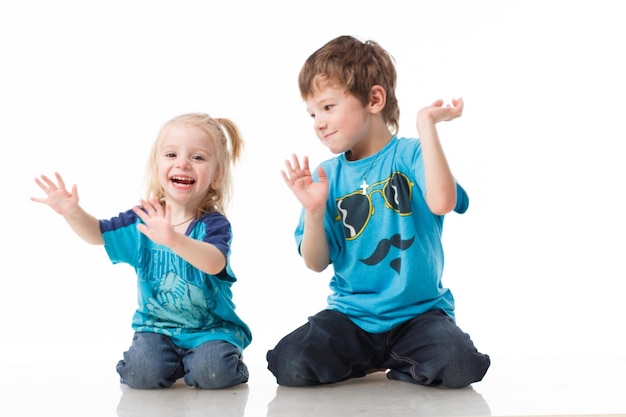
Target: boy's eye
(328,107)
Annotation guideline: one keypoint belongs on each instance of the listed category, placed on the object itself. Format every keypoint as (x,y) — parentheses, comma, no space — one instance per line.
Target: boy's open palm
(312,195)
(57,196)
(437,112)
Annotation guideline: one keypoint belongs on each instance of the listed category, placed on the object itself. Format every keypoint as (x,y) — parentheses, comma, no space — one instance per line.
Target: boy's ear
(378,98)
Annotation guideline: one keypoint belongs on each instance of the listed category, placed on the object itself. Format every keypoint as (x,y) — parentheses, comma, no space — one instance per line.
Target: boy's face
(340,120)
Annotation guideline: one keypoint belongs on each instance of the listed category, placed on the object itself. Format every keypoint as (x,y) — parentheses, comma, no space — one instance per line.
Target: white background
(536,264)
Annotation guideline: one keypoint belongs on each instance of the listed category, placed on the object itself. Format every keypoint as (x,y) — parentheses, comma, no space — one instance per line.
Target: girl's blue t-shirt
(385,244)
(175,298)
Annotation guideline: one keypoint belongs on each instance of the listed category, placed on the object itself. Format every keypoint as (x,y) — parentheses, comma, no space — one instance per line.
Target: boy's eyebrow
(322,98)
(315,104)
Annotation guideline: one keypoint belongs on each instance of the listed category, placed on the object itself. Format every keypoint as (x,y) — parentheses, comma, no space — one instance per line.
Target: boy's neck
(368,147)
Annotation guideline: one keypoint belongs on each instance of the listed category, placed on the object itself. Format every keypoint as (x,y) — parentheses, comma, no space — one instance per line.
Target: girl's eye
(198,157)
(170,155)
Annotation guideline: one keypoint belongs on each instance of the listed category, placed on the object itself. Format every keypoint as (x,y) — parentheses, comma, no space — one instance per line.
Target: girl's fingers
(41,185)
(158,209)
(60,180)
(48,182)
(145,206)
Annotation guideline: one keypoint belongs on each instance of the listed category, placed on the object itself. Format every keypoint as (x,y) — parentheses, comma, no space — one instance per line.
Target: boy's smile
(340,120)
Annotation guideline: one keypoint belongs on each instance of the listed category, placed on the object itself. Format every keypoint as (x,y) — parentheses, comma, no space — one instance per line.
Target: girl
(178,240)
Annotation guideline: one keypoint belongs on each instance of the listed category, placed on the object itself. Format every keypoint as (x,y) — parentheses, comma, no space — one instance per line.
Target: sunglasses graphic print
(356,209)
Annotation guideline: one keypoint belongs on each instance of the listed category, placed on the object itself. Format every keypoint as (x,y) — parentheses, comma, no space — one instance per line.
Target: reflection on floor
(513,387)
(371,396)
(375,395)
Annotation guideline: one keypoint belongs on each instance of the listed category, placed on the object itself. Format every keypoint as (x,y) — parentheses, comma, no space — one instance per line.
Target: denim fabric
(427,350)
(153,361)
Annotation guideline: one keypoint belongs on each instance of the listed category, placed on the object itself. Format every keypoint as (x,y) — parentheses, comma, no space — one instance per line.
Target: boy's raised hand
(57,196)
(312,195)
(437,112)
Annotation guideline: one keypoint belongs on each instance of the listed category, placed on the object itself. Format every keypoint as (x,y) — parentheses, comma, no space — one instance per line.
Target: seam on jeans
(406,359)
(410,361)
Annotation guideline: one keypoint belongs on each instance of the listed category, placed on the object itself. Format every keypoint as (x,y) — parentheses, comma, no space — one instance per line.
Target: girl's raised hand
(57,196)
(156,221)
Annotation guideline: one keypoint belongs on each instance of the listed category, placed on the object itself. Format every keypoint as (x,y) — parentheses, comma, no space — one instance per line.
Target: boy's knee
(463,372)
(291,372)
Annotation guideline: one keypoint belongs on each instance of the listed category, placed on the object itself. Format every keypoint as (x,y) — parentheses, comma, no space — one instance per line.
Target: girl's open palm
(156,221)
(57,196)
(312,195)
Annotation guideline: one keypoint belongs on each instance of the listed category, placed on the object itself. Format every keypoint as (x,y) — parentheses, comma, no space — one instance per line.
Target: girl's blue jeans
(427,350)
(153,361)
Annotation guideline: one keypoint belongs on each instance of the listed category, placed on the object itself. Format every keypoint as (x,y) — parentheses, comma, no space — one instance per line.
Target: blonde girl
(178,241)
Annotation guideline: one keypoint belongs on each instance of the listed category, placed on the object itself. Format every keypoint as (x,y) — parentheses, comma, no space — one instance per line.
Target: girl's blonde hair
(219,131)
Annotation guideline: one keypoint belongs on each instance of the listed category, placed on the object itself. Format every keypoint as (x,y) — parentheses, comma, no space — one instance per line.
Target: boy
(375,212)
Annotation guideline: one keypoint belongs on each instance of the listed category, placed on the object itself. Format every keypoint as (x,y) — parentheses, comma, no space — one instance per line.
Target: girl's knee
(145,375)
(151,362)
(215,365)
(217,376)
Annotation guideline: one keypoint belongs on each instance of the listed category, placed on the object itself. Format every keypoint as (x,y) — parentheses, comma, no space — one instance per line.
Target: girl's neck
(181,214)
(183,222)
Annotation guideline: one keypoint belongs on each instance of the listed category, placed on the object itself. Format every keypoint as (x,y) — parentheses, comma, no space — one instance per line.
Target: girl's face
(340,120)
(184,165)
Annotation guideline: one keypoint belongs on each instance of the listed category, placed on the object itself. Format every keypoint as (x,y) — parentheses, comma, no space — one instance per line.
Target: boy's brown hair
(356,66)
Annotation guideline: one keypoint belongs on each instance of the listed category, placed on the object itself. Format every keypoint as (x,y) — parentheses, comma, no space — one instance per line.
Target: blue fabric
(385,246)
(176,299)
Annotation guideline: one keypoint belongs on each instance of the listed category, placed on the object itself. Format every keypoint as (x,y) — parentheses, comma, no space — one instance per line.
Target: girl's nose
(183,162)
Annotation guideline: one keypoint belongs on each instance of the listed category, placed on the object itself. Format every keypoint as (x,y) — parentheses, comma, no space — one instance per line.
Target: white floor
(514,386)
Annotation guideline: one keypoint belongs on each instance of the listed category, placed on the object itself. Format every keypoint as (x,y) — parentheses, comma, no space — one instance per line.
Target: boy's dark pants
(427,350)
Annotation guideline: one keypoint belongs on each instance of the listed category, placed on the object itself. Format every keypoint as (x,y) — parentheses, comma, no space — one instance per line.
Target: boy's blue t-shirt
(175,298)
(385,246)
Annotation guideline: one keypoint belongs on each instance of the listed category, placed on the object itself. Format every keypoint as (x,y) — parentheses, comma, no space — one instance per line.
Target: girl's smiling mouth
(182,181)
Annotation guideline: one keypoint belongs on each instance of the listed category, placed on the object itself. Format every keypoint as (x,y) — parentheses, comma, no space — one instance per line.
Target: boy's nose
(320,123)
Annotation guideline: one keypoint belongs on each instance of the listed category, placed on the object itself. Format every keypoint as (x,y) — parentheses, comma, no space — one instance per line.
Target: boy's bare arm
(314,247)
(440,183)
(312,195)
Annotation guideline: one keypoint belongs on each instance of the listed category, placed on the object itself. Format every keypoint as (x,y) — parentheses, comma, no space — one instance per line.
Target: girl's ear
(216,184)
(378,98)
